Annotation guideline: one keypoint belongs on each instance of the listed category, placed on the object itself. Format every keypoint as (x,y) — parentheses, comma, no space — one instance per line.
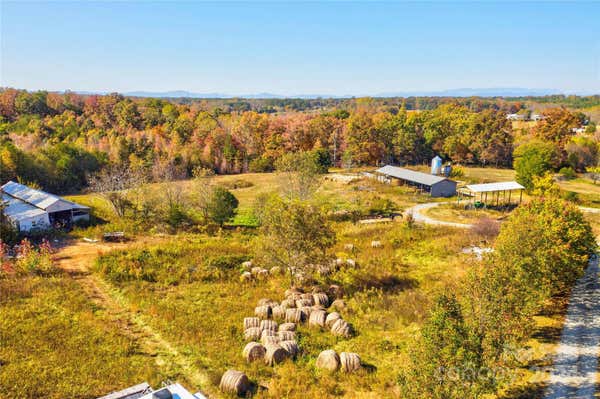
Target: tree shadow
(388,283)
(529,391)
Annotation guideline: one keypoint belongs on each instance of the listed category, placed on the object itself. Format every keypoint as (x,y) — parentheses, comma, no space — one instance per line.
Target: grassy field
(57,344)
(186,288)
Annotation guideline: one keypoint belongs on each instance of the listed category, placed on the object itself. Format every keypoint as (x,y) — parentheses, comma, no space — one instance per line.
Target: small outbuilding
(436,186)
(29,209)
(494,191)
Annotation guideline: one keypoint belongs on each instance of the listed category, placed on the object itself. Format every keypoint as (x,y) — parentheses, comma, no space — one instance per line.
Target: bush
(262,164)
(457,171)
(486,228)
(567,173)
(237,183)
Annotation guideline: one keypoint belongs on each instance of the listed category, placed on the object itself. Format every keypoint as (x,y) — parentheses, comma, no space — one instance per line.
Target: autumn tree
(295,236)
(113,182)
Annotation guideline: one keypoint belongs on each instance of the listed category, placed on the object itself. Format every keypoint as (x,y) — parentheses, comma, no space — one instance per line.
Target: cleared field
(458,214)
(57,344)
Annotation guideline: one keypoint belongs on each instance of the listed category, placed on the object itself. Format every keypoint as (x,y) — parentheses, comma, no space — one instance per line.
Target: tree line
(54,140)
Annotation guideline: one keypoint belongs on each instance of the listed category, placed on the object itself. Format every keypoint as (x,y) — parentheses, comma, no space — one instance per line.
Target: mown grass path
(76,259)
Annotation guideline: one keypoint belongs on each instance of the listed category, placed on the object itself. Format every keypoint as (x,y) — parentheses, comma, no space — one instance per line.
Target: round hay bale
(294,315)
(287,327)
(247,264)
(268,333)
(351,262)
(235,382)
(286,335)
(290,291)
(306,310)
(318,307)
(278,312)
(268,325)
(349,247)
(375,244)
(287,304)
(251,322)
(335,291)
(252,334)
(321,299)
(323,270)
(266,302)
(263,274)
(274,354)
(253,351)
(338,304)
(291,347)
(308,296)
(255,270)
(245,277)
(339,261)
(270,340)
(332,318)
(317,318)
(303,302)
(328,360)
(349,362)
(275,271)
(264,312)
(341,328)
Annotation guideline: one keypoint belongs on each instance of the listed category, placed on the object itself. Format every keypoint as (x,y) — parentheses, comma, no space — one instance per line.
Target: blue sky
(299,48)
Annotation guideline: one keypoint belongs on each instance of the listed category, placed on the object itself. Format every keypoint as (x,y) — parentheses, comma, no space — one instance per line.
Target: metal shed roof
(18,210)
(500,186)
(37,198)
(411,175)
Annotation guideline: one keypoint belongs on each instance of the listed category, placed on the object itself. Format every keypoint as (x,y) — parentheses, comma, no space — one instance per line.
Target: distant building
(516,117)
(145,391)
(28,209)
(436,186)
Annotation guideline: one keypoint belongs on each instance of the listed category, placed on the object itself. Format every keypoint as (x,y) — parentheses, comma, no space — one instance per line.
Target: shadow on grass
(529,391)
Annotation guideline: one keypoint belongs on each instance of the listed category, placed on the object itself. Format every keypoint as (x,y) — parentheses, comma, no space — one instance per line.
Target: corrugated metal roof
(134,392)
(37,198)
(18,210)
(411,175)
(500,186)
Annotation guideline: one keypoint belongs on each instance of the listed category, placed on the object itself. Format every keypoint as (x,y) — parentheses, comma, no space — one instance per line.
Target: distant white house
(28,209)
(516,117)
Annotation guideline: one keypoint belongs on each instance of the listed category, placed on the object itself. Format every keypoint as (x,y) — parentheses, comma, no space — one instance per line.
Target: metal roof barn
(437,186)
(496,189)
(29,209)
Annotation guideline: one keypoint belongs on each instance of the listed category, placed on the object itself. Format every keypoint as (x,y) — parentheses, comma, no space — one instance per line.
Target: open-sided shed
(494,191)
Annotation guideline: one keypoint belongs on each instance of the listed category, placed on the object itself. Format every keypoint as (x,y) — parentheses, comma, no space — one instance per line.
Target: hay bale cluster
(256,273)
(271,333)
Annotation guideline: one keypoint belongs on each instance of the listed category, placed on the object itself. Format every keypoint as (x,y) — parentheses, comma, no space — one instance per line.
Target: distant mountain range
(464,92)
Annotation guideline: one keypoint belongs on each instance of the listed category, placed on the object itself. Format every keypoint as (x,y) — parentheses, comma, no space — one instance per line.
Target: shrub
(457,171)
(567,173)
(262,164)
(237,183)
(487,228)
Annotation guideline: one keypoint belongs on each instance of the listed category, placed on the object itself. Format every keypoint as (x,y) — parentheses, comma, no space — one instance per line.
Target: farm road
(76,259)
(574,372)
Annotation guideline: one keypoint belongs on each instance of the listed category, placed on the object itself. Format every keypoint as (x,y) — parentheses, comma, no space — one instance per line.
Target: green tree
(300,173)
(295,235)
(222,205)
(533,159)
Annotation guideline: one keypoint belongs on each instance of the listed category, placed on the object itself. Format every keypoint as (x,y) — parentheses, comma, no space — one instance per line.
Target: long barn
(29,209)
(436,186)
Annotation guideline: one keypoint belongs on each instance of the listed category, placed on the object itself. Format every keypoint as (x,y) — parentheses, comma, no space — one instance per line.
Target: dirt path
(421,218)
(574,372)
(76,259)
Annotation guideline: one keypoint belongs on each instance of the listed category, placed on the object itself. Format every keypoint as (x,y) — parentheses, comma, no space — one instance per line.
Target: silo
(436,165)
